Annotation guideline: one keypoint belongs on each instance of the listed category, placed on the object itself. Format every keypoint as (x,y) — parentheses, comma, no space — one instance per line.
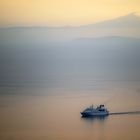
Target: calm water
(45,85)
(34,113)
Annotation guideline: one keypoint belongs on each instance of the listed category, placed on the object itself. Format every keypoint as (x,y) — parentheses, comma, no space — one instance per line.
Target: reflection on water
(94,118)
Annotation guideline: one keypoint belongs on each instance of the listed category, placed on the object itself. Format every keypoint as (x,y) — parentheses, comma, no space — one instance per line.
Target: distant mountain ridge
(130,20)
(109,37)
(108,42)
(123,21)
(106,50)
(124,26)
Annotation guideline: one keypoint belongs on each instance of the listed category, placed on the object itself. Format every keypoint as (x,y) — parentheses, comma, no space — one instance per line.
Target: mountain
(106,50)
(126,26)
(108,58)
(128,21)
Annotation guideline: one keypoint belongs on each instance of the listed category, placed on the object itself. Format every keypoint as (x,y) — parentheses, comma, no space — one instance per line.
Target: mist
(28,57)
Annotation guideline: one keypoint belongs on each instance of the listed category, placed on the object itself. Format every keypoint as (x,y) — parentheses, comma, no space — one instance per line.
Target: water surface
(34,113)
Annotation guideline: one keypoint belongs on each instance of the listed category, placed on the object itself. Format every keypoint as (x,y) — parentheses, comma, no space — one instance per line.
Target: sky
(63,12)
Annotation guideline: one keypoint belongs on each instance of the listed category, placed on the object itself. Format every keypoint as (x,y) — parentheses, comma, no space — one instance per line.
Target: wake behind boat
(98,111)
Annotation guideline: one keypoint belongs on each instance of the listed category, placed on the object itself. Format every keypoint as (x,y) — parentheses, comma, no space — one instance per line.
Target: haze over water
(49,75)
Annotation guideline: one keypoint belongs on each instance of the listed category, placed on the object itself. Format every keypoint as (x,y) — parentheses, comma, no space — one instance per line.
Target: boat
(98,111)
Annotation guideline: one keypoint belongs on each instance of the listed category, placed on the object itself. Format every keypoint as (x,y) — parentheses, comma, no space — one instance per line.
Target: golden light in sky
(63,12)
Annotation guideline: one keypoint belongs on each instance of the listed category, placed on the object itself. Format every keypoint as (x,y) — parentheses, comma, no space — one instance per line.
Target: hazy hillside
(126,26)
(109,50)
(106,58)
(127,21)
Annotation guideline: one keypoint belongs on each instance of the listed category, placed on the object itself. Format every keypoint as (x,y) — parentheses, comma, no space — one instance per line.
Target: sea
(39,112)
(43,87)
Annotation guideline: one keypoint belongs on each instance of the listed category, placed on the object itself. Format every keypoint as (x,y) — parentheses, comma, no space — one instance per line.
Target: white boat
(98,111)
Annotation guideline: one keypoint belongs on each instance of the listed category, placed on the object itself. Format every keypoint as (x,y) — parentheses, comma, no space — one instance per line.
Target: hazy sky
(63,12)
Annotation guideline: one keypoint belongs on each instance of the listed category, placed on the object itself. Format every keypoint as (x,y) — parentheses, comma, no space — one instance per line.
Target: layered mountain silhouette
(109,49)
(126,26)
(128,21)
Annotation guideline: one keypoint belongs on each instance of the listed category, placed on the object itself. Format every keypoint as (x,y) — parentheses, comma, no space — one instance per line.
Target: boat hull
(85,114)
